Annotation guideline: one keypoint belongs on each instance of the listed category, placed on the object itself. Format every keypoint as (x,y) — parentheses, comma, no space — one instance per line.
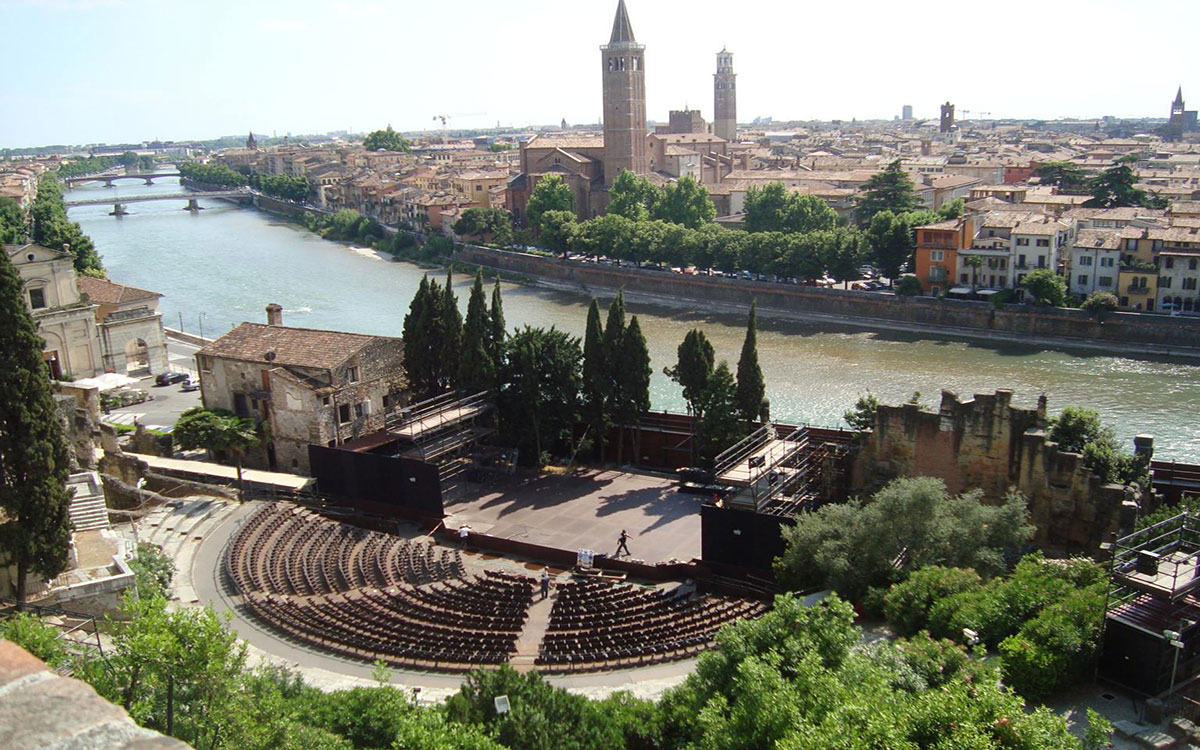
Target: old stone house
(129,323)
(307,386)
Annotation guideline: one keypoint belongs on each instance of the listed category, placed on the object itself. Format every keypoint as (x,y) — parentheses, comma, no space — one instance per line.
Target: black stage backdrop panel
(743,538)
(379,484)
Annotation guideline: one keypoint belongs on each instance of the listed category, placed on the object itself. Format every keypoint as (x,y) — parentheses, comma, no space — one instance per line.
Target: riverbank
(1131,334)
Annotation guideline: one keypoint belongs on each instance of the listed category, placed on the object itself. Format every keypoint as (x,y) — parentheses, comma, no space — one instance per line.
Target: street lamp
(1175,638)
(201,325)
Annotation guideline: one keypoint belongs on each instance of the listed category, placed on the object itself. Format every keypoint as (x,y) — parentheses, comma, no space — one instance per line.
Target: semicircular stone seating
(598,625)
(374,596)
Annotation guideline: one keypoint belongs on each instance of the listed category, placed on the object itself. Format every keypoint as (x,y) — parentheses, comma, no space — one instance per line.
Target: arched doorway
(137,357)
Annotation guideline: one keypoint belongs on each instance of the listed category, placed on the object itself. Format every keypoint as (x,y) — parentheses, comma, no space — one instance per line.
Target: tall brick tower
(1175,126)
(624,70)
(947,122)
(725,97)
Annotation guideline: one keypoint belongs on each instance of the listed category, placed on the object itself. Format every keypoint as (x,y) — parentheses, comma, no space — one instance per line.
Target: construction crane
(446,118)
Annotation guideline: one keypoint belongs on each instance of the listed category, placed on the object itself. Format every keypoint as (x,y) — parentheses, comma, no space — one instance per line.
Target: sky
(117,71)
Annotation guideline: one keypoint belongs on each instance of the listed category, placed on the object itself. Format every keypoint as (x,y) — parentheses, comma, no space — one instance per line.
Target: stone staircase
(87,510)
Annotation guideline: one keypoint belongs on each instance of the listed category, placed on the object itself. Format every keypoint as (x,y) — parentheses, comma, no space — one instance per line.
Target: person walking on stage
(622,543)
(545,583)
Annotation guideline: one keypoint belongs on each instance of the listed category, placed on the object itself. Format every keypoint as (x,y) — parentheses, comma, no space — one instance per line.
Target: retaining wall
(1117,333)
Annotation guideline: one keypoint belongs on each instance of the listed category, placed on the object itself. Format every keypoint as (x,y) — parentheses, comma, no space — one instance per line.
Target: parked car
(191,384)
(167,378)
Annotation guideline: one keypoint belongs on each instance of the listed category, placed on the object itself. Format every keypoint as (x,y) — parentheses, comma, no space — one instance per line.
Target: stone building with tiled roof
(309,386)
(129,324)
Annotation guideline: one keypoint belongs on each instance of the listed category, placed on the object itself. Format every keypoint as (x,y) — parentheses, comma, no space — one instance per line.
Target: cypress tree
(419,338)
(752,403)
(692,371)
(497,334)
(450,332)
(476,370)
(614,332)
(719,426)
(635,378)
(595,377)
(34,462)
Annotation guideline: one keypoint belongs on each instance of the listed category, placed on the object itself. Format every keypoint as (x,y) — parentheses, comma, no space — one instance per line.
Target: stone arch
(137,355)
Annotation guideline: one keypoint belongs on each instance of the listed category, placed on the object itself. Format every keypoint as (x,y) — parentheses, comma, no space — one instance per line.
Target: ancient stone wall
(989,444)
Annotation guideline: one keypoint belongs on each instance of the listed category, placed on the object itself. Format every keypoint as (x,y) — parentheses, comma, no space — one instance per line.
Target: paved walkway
(288,482)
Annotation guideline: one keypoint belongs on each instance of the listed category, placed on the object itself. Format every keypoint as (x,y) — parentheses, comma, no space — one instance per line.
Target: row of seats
(285,549)
(599,625)
(371,596)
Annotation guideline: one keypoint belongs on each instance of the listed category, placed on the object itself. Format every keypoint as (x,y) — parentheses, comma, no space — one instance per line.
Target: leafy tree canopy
(632,197)
(1046,287)
(889,190)
(774,208)
(550,194)
(386,140)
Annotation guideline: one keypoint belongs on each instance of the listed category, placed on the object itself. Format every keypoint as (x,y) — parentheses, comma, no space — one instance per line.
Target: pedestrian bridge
(108,179)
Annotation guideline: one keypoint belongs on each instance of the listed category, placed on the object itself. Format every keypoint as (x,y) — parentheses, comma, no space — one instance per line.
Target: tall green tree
(1115,187)
(773,208)
(892,243)
(610,235)
(476,368)
(1046,287)
(633,387)
(685,202)
(595,385)
(539,398)
(34,462)
(752,404)
(450,332)
(1067,176)
(420,338)
(52,229)
(693,367)
(219,432)
(550,194)
(719,426)
(889,190)
(386,140)
(558,230)
(496,332)
(843,251)
(12,222)
(632,197)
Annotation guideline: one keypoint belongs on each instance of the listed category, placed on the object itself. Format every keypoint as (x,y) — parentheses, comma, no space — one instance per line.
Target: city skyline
(130,70)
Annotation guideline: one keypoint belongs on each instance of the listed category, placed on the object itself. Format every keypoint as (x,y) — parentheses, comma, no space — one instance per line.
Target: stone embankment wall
(1119,333)
(989,444)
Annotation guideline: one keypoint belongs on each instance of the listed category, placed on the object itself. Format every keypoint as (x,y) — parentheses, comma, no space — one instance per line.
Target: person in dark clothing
(545,583)
(622,543)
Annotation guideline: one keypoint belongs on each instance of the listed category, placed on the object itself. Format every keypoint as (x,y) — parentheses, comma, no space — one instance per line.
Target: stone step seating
(370,595)
(597,625)
(87,509)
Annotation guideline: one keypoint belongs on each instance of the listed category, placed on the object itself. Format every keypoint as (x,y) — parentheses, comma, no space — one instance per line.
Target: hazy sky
(89,71)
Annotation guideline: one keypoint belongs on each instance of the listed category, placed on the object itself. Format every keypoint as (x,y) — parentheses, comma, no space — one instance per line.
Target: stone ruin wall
(989,444)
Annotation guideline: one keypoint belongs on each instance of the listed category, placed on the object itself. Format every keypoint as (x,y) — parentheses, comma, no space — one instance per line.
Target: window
(325,401)
(1105,281)
(1020,261)
(387,401)
(360,410)
(1189,283)
(937,255)
(637,63)
(1131,246)
(1168,262)
(1164,282)
(1083,279)
(352,374)
(1107,262)
(1023,241)
(1192,264)
(344,413)
(965,278)
(37,298)
(1043,243)
(1085,260)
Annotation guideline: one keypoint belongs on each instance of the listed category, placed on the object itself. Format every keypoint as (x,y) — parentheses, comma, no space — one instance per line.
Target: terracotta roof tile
(298,347)
(105,292)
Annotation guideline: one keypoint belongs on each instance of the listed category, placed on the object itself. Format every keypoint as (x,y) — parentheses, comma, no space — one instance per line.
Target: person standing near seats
(622,543)
(545,583)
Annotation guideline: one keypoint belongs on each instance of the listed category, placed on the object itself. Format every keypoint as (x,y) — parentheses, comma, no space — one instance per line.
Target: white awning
(959,290)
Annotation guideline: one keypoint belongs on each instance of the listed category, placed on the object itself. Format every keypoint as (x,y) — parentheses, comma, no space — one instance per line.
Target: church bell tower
(725,98)
(623,67)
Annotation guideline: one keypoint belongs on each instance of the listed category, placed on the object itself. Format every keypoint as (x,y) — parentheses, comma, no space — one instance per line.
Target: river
(221,266)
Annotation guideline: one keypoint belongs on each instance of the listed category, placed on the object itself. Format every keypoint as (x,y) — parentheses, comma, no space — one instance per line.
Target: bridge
(192,198)
(108,179)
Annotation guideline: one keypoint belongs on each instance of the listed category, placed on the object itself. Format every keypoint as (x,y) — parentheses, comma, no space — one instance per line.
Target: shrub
(907,604)
(1056,648)
(39,639)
